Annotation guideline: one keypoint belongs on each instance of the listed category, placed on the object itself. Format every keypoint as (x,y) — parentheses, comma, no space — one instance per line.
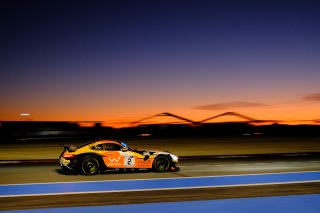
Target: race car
(103,155)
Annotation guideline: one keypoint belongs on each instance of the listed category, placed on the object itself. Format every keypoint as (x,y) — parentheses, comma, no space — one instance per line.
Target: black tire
(161,164)
(89,166)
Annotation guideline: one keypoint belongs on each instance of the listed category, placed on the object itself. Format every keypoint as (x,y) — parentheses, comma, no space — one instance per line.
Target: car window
(112,146)
(98,147)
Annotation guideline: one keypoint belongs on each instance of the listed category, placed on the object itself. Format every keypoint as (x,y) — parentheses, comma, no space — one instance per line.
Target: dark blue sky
(101,60)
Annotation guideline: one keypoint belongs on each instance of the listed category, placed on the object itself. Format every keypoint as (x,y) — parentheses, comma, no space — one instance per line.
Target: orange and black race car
(103,155)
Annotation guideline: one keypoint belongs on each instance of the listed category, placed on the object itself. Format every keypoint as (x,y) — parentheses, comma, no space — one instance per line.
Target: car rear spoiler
(70,148)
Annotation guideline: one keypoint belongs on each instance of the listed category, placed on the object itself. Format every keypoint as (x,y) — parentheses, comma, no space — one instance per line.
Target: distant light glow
(145,135)
(25,114)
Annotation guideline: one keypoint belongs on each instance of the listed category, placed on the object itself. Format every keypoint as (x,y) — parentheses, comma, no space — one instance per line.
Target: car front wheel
(89,166)
(161,164)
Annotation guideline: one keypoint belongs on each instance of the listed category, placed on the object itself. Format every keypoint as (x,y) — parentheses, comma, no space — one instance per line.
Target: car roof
(105,141)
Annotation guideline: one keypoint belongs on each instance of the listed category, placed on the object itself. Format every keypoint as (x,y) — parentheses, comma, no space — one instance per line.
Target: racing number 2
(129,160)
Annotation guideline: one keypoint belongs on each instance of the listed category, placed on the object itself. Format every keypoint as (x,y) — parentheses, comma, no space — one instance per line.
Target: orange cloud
(312,97)
(230,105)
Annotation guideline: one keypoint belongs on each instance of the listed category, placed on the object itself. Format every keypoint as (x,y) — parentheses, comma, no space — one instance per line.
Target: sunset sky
(120,61)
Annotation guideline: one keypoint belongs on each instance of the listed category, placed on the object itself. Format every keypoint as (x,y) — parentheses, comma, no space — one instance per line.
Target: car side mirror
(124,149)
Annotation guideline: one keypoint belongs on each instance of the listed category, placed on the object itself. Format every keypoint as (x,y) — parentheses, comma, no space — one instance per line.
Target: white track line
(150,179)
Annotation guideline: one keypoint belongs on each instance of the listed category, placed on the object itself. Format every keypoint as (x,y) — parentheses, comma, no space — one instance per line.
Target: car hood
(152,152)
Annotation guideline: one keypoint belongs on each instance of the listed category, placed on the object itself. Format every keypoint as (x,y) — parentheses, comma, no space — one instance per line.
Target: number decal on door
(129,160)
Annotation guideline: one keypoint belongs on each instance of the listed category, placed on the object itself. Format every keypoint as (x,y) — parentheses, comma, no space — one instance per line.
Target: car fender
(99,157)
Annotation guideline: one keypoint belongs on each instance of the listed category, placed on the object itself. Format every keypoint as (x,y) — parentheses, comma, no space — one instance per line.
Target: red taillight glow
(68,155)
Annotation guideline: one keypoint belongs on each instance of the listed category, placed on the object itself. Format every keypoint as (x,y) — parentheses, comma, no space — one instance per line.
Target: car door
(117,156)
(112,155)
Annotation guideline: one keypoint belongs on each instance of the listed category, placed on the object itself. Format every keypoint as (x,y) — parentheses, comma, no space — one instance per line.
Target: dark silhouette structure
(184,127)
(165,114)
(247,119)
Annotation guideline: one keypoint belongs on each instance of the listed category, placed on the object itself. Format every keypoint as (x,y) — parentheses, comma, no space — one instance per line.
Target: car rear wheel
(161,164)
(89,166)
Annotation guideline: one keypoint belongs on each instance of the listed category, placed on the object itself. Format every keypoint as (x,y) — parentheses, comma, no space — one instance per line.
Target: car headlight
(174,158)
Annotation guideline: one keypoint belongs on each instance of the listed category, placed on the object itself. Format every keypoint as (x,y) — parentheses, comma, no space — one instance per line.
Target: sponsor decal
(144,163)
(114,160)
(113,164)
